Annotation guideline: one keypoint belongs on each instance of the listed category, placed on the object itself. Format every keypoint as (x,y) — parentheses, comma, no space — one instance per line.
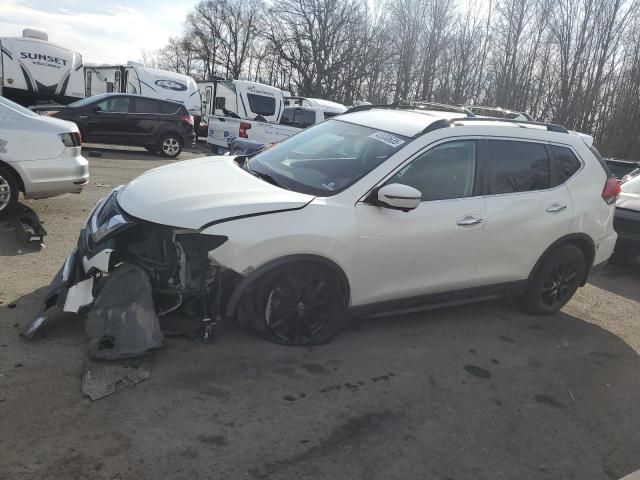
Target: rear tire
(299,304)
(170,145)
(557,279)
(9,190)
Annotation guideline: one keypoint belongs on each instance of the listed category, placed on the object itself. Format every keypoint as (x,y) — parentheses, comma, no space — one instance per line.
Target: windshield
(326,158)
(19,108)
(86,101)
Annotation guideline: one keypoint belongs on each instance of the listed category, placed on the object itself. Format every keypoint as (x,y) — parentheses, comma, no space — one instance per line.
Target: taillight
(187,118)
(244,126)
(70,139)
(78,136)
(611,190)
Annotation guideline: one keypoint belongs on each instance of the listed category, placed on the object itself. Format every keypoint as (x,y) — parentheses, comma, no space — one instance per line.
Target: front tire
(557,279)
(9,190)
(170,145)
(298,304)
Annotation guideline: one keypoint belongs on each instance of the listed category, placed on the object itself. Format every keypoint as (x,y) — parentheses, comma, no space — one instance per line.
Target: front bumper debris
(124,276)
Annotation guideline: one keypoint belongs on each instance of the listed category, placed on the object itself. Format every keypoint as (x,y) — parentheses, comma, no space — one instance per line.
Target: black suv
(161,126)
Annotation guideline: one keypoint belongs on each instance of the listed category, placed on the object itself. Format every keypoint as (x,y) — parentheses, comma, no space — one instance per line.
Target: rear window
(146,105)
(567,162)
(304,118)
(262,105)
(517,167)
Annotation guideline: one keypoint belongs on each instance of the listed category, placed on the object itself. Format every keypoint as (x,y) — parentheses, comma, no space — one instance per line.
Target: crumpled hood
(194,193)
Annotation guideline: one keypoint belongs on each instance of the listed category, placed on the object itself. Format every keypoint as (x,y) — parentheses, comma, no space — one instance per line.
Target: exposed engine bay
(126,276)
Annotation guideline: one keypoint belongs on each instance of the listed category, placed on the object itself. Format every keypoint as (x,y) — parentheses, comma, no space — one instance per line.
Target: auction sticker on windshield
(387,139)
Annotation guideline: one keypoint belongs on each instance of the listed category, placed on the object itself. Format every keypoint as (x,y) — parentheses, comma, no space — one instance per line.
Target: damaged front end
(127,275)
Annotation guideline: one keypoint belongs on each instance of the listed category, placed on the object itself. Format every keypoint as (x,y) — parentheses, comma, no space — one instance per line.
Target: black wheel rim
(559,284)
(300,305)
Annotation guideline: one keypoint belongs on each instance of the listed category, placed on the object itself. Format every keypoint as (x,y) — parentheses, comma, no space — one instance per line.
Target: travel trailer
(135,78)
(34,70)
(240,99)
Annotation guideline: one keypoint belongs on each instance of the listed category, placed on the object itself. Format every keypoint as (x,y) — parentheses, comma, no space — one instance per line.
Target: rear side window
(516,166)
(169,108)
(262,105)
(567,162)
(145,105)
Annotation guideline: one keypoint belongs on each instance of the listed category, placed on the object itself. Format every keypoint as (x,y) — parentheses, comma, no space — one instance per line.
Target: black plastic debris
(122,322)
(21,231)
(101,378)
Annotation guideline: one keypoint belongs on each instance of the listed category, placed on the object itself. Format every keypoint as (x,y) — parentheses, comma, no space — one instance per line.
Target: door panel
(109,124)
(404,254)
(433,248)
(524,215)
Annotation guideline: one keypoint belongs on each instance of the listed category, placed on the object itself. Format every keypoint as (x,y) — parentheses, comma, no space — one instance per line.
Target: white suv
(379,209)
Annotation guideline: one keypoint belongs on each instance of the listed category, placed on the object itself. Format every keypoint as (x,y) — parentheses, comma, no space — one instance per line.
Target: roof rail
(551,127)
(442,107)
(449,122)
(414,106)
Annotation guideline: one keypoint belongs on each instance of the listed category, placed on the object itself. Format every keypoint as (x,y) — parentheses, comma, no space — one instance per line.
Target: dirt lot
(475,392)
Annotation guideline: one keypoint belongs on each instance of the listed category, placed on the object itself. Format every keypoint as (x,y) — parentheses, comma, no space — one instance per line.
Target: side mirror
(97,109)
(399,197)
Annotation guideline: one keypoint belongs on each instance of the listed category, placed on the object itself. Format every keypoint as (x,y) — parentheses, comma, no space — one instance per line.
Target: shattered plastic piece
(79,295)
(100,378)
(35,325)
(122,322)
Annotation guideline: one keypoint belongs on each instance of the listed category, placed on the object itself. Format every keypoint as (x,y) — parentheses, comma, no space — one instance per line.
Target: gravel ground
(473,392)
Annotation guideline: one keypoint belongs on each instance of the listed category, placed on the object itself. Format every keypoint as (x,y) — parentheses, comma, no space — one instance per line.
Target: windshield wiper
(266,177)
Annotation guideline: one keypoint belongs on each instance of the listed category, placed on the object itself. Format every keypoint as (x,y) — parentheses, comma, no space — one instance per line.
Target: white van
(135,78)
(33,70)
(39,155)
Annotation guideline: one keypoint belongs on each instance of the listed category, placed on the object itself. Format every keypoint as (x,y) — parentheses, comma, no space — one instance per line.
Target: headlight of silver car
(107,219)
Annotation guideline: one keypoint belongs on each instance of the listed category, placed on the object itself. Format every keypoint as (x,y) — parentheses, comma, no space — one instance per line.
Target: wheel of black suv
(298,304)
(9,190)
(555,282)
(170,145)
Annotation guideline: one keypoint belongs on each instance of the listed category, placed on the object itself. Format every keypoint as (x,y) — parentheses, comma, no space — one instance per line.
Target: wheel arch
(252,278)
(581,240)
(15,173)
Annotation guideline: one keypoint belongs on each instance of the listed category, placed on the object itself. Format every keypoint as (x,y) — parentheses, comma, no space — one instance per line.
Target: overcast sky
(101,31)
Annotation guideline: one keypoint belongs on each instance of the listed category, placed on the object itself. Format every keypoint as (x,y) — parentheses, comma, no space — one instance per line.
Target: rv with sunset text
(34,70)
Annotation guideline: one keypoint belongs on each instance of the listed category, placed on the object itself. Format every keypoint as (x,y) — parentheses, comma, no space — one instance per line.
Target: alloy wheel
(559,284)
(300,305)
(170,146)
(5,193)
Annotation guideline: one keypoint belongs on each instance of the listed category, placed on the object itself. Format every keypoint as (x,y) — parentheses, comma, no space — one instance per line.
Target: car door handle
(469,220)
(556,207)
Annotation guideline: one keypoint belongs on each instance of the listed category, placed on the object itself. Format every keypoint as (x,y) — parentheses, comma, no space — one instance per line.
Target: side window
(145,105)
(517,166)
(446,171)
(169,108)
(567,162)
(114,105)
(304,118)
(287,116)
(220,102)
(262,105)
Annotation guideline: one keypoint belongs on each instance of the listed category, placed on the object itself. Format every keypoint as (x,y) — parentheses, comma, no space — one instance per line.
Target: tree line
(572,62)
